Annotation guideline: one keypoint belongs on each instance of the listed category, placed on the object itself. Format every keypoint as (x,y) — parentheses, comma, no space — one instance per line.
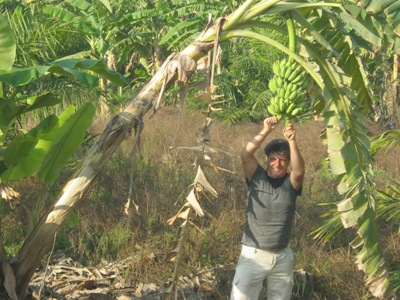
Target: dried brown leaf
(181,214)
(205,96)
(191,198)
(202,179)
(130,206)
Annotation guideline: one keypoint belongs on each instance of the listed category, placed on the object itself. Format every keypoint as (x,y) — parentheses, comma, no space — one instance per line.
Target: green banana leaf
(25,154)
(82,23)
(97,66)
(7,45)
(81,4)
(70,135)
(106,4)
(9,110)
(47,147)
(72,68)
(178,31)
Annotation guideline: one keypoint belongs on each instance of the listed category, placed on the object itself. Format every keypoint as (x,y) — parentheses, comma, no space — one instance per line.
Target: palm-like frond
(350,156)
(389,202)
(36,42)
(386,140)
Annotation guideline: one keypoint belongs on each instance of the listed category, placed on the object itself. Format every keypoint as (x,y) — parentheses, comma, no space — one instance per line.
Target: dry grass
(161,178)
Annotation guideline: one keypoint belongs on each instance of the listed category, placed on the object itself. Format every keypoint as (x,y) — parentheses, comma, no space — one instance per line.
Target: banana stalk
(291,33)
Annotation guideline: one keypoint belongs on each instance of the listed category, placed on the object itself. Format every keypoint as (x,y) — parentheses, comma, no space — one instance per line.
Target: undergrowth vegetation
(105,230)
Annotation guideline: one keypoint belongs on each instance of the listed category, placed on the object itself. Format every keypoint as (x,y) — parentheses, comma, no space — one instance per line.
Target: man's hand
(270,123)
(289,132)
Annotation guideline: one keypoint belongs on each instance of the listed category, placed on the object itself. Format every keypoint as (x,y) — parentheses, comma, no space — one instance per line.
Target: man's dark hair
(278,146)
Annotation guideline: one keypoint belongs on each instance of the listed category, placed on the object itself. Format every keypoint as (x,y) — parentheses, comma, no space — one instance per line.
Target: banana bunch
(288,85)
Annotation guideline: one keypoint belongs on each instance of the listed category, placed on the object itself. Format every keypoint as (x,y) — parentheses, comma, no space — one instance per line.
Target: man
(272,194)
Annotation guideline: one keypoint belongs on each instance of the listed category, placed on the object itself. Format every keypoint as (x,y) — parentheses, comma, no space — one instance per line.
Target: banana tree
(329,35)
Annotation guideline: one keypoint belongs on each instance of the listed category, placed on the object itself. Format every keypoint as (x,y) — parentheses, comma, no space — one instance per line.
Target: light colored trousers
(255,266)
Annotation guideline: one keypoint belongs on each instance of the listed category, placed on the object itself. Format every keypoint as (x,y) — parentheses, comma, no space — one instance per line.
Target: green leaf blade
(7,45)
(70,136)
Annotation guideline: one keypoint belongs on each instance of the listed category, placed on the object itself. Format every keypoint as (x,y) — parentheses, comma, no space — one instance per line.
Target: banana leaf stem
(237,15)
(275,7)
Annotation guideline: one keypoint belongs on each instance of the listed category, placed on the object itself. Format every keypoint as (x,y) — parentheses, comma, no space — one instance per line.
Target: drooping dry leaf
(208,97)
(191,198)
(203,84)
(206,161)
(170,68)
(211,89)
(203,181)
(205,96)
(129,206)
(211,109)
(181,214)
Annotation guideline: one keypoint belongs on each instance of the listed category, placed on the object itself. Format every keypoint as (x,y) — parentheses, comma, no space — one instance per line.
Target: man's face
(277,165)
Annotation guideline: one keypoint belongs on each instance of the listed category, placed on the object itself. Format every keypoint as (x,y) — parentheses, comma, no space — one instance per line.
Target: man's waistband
(272,250)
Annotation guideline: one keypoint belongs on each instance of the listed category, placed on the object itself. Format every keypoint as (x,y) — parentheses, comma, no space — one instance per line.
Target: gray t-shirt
(271,205)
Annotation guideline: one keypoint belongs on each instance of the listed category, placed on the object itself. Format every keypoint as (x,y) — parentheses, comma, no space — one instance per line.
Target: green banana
(272,85)
(273,100)
(285,83)
(282,68)
(288,63)
(276,68)
(271,109)
(287,93)
(290,108)
(282,106)
(281,92)
(296,111)
(279,81)
(288,71)
(292,95)
(295,73)
(299,77)
(277,108)
(289,86)
(302,104)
